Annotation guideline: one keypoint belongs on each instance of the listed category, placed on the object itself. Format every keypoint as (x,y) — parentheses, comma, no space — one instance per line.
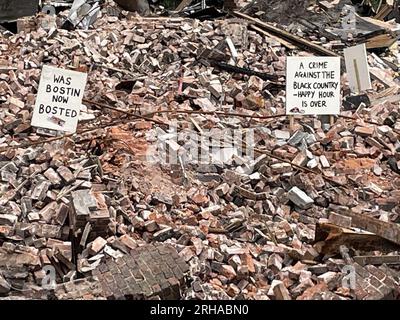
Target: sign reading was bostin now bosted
(59,99)
(313,85)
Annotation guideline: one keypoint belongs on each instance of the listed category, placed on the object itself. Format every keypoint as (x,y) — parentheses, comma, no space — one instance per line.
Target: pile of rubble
(273,211)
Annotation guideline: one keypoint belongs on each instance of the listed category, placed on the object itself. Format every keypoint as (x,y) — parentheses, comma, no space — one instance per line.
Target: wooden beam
(377,260)
(296,40)
(183,5)
(283,42)
(329,238)
(386,230)
(380,41)
(384,12)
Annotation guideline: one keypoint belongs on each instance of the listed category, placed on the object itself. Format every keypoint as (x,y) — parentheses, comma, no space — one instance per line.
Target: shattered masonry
(312,212)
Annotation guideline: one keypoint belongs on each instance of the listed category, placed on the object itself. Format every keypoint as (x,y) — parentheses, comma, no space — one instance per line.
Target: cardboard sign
(59,99)
(357,68)
(313,85)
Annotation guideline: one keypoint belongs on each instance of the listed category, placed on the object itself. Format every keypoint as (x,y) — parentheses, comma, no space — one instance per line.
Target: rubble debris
(149,271)
(11,10)
(80,289)
(185,179)
(140,6)
(83,13)
(89,207)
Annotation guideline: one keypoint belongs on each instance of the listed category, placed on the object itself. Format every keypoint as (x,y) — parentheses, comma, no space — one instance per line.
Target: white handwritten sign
(313,85)
(59,99)
(357,68)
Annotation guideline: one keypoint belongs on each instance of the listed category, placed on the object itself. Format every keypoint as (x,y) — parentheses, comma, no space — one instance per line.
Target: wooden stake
(76,62)
(357,75)
(291,123)
(331,120)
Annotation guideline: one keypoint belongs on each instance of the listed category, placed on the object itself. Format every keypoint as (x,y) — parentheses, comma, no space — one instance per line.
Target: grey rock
(53,176)
(300,198)
(39,193)
(8,219)
(297,138)
(66,174)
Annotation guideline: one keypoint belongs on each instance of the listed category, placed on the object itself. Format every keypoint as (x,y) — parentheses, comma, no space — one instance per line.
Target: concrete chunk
(39,193)
(300,198)
(281,135)
(97,245)
(66,174)
(281,293)
(8,219)
(52,176)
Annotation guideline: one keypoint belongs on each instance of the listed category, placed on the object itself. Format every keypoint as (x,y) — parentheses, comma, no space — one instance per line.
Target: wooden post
(291,122)
(331,120)
(357,76)
(76,62)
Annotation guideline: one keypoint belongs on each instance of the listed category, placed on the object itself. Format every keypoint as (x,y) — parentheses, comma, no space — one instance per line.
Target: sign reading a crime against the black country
(313,85)
(59,99)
